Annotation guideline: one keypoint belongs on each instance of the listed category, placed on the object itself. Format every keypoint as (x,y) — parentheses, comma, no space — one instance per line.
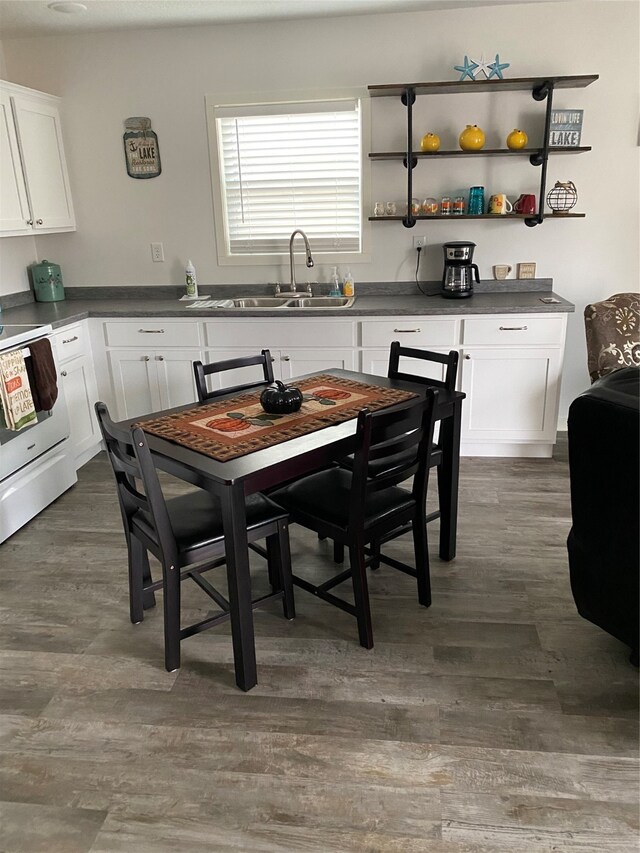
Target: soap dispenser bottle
(348,288)
(335,283)
(190,280)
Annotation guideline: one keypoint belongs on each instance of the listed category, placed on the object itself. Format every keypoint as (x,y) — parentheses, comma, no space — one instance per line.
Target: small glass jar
(458,205)
(391,208)
(415,207)
(445,206)
(429,207)
(378,208)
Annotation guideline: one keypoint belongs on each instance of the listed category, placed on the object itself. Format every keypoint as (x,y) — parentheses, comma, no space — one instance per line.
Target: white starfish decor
(483,66)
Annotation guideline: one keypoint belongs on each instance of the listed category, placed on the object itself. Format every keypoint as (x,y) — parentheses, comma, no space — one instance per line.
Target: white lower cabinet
(510,370)
(80,390)
(145,382)
(510,366)
(511,394)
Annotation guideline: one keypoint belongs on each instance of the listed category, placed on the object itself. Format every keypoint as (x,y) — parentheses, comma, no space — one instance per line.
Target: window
(281,166)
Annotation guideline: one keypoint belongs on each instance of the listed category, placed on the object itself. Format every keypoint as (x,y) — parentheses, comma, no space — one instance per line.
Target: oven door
(19,448)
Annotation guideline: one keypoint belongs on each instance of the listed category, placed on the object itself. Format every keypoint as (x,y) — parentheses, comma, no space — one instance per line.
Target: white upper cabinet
(35,195)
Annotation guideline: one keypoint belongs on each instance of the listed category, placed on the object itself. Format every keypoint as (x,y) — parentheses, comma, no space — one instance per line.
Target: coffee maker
(457,274)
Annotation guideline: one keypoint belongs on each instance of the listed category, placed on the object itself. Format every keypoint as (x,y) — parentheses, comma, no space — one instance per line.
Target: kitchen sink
(321,302)
(292,302)
(260,302)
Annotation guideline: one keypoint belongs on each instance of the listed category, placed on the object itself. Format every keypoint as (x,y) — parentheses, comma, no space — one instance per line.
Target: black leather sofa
(603,544)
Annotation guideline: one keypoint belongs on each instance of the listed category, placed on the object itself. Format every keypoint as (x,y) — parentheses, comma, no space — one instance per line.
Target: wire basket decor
(562,197)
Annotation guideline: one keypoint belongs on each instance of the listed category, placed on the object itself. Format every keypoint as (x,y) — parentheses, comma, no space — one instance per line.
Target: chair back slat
(201,371)
(131,461)
(449,360)
(384,434)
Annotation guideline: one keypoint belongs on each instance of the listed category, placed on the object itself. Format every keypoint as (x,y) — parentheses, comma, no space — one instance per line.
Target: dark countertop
(71,310)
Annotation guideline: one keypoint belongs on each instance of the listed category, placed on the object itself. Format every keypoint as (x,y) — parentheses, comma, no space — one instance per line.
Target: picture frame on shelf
(565,129)
(527,270)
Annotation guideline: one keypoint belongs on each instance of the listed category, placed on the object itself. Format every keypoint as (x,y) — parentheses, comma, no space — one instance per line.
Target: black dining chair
(185,534)
(201,372)
(450,363)
(354,508)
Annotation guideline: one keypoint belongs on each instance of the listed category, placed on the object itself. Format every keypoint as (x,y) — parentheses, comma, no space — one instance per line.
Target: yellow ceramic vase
(471,138)
(517,139)
(430,142)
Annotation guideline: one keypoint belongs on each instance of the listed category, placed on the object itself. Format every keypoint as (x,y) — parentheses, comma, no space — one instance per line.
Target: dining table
(233,480)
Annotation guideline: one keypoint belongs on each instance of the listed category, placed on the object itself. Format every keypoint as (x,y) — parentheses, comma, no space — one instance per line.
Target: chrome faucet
(291,263)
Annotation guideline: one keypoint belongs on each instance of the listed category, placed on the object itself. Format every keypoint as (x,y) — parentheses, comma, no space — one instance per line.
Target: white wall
(165,74)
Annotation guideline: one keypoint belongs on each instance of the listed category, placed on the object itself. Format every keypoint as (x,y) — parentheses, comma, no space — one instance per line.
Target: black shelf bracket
(541,158)
(408,98)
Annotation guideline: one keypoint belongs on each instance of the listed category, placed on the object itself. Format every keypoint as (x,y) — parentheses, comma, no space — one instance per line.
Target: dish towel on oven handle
(15,392)
(43,375)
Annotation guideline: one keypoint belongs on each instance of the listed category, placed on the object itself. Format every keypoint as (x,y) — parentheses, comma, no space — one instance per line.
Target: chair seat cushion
(326,496)
(196,518)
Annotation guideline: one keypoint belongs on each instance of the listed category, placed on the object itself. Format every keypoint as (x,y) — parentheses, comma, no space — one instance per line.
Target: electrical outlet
(419,242)
(157,252)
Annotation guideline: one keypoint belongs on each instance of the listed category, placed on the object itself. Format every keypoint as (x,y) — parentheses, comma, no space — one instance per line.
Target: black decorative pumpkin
(281,400)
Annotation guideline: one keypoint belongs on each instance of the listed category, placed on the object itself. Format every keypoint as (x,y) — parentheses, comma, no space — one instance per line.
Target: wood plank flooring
(497,720)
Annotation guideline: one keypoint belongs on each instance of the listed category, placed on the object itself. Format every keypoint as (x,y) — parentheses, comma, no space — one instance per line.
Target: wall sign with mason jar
(141,149)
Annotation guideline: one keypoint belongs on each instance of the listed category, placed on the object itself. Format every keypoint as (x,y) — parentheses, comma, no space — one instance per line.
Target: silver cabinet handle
(406,331)
(159,358)
(513,328)
(151,331)
(38,221)
(467,357)
(286,358)
(70,340)
(63,373)
(272,359)
(145,358)
(29,221)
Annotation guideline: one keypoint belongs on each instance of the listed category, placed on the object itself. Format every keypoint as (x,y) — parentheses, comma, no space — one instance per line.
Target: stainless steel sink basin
(321,302)
(293,302)
(260,302)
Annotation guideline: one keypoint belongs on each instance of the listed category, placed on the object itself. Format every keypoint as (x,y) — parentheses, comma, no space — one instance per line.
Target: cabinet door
(512,394)
(297,362)
(45,170)
(14,207)
(80,392)
(176,383)
(135,382)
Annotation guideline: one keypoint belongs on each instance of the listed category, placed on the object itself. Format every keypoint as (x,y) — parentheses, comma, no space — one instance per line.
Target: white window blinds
(288,166)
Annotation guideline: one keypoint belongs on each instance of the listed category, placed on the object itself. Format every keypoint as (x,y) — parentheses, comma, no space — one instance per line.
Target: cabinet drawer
(410,331)
(70,341)
(254,335)
(513,330)
(152,334)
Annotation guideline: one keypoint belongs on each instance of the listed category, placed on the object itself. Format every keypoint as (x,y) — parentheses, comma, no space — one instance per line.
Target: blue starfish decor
(471,67)
(467,69)
(497,67)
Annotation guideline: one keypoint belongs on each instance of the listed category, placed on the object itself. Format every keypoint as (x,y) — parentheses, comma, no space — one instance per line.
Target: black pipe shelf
(540,89)
(495,216)
(457,87)
(483,152)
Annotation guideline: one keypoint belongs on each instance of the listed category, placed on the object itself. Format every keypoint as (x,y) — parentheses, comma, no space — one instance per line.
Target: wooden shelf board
(449,87)
(495,216)
(485,152)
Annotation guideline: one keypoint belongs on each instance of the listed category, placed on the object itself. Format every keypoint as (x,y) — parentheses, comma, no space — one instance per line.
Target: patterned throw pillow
(613,334)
